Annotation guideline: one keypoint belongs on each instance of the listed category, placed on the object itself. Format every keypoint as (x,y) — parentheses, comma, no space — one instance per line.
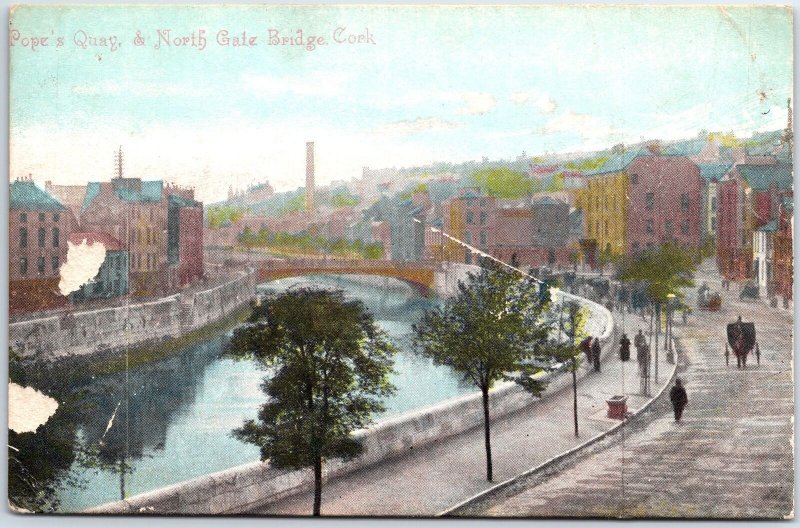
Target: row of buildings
(152,233)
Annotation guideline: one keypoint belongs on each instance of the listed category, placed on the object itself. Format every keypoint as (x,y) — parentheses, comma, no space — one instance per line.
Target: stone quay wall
(118,328)
(248,486)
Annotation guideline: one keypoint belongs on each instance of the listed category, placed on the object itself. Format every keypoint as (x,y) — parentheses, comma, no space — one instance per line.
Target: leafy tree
(490,331)
(215,216)
(557,183)
(664,271)
(330,365)
(502,182)
(571,324)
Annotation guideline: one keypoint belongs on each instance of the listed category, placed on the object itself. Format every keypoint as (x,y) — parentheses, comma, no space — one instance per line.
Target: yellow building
(604,205)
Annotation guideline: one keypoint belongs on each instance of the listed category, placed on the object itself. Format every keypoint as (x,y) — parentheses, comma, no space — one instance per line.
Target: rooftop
(760,177)
(24,194)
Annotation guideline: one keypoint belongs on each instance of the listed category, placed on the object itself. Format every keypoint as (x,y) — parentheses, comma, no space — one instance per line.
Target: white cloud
(477,103)
(541,101)
(140,88)
(420,124)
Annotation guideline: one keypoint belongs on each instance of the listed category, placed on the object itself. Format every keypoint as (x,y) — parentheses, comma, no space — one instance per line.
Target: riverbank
(105,332)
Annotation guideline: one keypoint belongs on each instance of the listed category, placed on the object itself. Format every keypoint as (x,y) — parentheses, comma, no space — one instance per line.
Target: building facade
(39,226)
(605,211)
(783,256)
(664,203)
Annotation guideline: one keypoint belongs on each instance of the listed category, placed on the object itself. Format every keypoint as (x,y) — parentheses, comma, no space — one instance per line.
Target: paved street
(436,478)
(731,456)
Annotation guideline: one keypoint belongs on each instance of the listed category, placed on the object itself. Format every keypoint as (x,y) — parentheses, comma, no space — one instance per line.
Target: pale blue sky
(448,84)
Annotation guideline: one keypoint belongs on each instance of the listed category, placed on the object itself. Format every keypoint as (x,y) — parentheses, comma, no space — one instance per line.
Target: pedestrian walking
(643,359)
(679,399)
(586,347)
(624,348)
(596,354)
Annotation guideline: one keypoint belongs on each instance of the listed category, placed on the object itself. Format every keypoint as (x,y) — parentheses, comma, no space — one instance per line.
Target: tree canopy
(503,182)
(490,331)
(329,365)
(664,270)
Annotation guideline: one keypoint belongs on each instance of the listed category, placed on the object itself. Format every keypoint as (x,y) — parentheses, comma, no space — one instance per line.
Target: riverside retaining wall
(118,328)
(246,487)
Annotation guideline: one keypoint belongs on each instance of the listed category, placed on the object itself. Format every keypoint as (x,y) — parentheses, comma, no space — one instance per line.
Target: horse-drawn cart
(742,340)
(708,300)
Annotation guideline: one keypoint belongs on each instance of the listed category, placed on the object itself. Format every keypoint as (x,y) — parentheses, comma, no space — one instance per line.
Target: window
(483,238)
(41,237)
(470,218)
(714,203)
(648,227)
(56,237)
(40,264)
(23,266)
(23,237)
(668,228)
(606,227)
(483,218)
(713,223)
(55,262)
(56,217)
(634,178)
(23,217)
(685,227)
(41,217)
(685,202)
(483,202)
(649,200)
(470,201)
(468,237)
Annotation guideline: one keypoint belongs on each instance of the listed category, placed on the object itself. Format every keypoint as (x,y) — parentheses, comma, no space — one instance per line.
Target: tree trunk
(317,486)
(655,349)
(485,392)
(575,395)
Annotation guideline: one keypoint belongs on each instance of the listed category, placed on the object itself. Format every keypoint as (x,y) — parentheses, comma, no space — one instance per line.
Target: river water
(176,422)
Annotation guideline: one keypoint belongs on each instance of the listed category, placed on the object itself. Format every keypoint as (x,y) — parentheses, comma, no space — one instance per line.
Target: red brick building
(184,240)
(39,226)
(664,203)
(748,197)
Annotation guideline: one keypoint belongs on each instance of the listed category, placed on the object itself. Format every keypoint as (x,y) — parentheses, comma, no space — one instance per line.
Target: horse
(742,339)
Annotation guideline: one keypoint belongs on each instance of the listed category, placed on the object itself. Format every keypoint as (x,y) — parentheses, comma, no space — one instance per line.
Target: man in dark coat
(624,348)
(596,354)
(679,399)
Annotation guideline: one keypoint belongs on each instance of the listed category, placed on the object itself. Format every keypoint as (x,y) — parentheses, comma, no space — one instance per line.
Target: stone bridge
(420,275)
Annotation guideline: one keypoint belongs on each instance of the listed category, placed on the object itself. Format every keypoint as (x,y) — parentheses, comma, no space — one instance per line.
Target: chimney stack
(310,176)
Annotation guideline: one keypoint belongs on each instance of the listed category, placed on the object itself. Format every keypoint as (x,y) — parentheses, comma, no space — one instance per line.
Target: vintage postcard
(401,261)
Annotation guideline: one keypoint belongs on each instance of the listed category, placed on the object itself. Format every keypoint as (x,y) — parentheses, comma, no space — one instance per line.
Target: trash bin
(617,407)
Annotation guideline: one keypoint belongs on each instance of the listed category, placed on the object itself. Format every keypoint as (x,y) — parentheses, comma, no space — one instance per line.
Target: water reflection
(172,418)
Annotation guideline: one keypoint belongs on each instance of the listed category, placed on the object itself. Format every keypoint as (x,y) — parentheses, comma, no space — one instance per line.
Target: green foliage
(490,331)
(418,188)
(502,182)
(329,367)
(215,216)
(293,205)
(344,199)
(587,165)
(557,184)
(571,331)
(308,244)
(665,271)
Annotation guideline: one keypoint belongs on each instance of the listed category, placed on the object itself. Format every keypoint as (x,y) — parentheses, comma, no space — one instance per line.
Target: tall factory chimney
(310,176)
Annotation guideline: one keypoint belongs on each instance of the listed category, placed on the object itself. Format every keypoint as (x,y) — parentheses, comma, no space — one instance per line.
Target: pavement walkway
(437,477)
(730,457)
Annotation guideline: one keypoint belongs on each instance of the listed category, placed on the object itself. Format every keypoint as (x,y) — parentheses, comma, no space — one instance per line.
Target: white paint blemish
(28,408)
(83,263)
